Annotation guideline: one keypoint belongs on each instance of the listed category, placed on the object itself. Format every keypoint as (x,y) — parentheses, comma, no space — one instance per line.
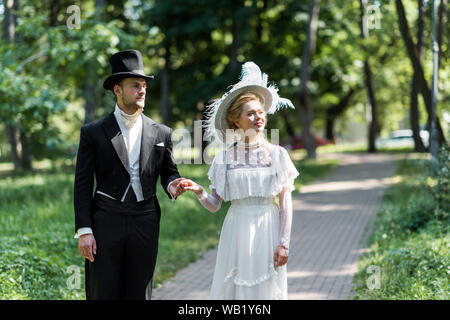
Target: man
(118,226)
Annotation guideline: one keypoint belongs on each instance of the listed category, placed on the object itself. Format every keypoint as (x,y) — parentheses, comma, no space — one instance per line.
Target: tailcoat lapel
(114,134)
(149,133)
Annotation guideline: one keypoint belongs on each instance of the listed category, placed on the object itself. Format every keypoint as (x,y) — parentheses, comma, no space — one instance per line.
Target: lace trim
(250,283)
(282,169)
(284,242)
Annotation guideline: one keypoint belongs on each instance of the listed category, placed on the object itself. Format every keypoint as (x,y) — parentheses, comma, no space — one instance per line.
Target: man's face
(132,92)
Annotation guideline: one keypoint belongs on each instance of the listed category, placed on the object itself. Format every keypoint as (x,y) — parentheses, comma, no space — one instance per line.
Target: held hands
(192,186)
(175,187)
(180,185)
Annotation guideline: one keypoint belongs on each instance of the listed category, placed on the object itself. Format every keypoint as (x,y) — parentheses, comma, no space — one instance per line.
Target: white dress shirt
(132,134)
(132,137)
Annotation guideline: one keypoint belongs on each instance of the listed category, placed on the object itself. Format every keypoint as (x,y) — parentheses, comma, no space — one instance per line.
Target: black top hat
(125,64)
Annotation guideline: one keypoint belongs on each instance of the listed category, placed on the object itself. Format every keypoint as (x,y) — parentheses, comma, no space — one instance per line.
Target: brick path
(331,221)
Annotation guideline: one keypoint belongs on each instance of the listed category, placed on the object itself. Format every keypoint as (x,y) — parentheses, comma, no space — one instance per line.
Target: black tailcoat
(103,157)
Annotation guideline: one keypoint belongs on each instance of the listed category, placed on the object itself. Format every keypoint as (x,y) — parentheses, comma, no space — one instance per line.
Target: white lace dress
(251,178)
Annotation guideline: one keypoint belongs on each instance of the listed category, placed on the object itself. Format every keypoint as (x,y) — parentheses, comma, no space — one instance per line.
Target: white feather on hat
(251,80)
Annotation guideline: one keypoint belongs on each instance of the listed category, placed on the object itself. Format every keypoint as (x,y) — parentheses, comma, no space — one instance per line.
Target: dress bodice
(244,171)
(252,177)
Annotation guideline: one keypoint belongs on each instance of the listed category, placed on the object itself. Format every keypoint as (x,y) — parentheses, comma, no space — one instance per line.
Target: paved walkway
(332,218)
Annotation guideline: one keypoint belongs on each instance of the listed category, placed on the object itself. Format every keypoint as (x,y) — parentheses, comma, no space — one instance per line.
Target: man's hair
(119,84)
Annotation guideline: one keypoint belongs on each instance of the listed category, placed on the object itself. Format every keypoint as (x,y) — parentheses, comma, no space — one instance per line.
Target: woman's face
(252,116)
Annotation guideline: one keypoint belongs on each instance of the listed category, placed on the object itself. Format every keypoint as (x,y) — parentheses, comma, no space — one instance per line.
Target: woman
(254,242)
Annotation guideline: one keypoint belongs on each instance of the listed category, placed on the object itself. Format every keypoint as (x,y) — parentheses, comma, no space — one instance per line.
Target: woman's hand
(192,186)
(281,256)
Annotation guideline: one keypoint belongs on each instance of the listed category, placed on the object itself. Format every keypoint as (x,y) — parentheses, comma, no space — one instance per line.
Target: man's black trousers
(126,234)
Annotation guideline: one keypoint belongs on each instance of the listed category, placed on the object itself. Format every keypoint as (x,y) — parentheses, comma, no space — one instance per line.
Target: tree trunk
(55,7)
(90,81)
(288,126)
(16,146)
(9,35)
(414,115)
(27,154)
(303,98)
(90,98)
(333,112)
(235,31)
(371,101)
(373,124)
(259,25)
(441,24)
(417,66)
(10,20)
(165,85)
(414,107)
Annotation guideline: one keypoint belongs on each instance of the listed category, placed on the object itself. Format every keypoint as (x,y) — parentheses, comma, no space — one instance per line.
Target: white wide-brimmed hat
(252,80)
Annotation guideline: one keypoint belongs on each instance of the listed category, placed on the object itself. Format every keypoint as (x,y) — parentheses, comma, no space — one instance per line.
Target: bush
(416,268)
(410,242)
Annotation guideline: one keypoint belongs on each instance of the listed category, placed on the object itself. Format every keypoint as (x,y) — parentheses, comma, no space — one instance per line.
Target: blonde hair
(234,112)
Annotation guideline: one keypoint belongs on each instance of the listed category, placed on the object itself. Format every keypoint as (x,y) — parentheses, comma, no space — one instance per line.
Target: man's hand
(176,188)
(87,246)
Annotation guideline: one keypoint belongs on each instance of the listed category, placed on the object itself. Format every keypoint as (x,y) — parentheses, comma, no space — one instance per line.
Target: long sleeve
(212,202)
(82,231)
(285,204)
(84,180)
(168,190)
(287,173)
(169,171)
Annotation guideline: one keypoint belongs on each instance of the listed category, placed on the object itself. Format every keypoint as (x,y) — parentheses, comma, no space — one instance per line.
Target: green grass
(187,229)
(38,254)
(410,241)
(36,230)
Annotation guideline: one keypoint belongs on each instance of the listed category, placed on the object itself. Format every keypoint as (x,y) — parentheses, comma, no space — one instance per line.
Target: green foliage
(37,248)
(410,243)
(47,68)
(441,192)
(202,44)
